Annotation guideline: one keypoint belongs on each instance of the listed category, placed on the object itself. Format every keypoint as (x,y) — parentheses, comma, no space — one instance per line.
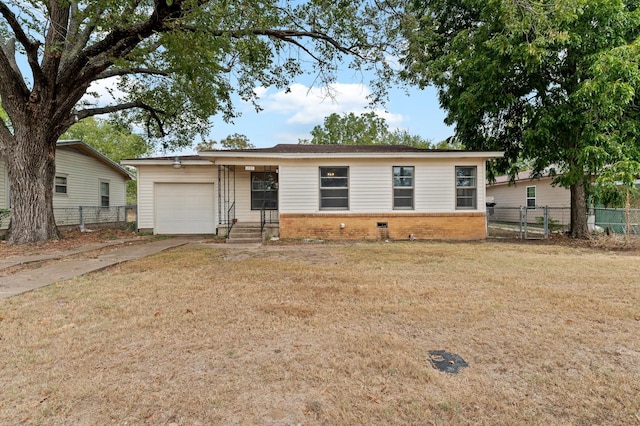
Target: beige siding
(509,198)
(371,185)
(298,188)
(516,195)
(148,175)
(84,175)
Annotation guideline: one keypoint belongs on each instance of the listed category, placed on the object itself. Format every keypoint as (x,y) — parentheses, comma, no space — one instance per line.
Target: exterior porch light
(177,164)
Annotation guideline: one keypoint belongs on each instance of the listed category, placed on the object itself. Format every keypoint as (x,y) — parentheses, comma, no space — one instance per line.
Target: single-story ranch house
(317,191)
(84,177)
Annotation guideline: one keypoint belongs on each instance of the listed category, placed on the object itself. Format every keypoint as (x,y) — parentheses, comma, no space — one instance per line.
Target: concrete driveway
(16,275)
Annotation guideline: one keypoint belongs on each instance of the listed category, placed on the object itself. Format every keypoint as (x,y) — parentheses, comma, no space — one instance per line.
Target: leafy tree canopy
(363,129)
(109,138)
(553,81)
(234,141)
(113,140)
(175,63)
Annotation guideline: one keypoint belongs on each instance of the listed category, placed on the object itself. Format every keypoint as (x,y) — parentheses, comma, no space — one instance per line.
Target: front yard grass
(331,334)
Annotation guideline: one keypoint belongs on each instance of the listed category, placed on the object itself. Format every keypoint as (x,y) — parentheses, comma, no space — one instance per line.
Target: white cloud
(310,105)
(103,92)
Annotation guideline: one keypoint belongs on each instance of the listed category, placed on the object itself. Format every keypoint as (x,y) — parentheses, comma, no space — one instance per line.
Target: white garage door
(184,208)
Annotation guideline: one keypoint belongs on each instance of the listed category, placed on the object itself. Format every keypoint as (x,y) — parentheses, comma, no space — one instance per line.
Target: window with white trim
(60,185)
(466,188)
(334,188)
(531,197)
(403,187)
(104,193)
(264,191)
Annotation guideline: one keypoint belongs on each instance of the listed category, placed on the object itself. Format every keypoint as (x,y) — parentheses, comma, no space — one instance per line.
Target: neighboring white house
(530,193)
(84,177)
(317,191)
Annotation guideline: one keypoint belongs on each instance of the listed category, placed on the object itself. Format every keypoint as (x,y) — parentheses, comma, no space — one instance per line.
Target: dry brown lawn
(334,334)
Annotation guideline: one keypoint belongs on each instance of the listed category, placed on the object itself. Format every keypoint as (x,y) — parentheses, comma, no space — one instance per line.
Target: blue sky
(288,116)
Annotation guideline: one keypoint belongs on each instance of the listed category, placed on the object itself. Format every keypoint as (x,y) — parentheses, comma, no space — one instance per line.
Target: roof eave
(350,155)
(92,152)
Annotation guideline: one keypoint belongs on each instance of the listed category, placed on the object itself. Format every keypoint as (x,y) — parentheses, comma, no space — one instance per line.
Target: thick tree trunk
(579,227)
(31,169)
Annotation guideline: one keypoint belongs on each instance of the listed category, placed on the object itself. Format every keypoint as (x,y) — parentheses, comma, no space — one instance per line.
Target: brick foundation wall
(454,226)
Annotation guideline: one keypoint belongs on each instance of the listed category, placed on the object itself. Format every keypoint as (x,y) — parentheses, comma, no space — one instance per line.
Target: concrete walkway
(60,266)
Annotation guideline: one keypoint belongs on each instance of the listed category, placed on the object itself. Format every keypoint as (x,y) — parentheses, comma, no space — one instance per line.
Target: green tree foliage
(114,141)
(363,129)
(553,82)
(111,139)
(233,141)
(175,62)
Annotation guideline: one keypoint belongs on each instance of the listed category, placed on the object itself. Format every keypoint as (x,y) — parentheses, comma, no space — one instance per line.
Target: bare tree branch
(30,47)
(55,38)
(115,108)
(96,58)
(130,71)
(14,85)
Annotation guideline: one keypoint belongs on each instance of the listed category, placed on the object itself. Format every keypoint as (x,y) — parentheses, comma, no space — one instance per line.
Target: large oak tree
(554,82)
(176,63)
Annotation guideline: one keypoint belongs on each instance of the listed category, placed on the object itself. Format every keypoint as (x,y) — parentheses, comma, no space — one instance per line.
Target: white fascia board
(163,162)
(234,158)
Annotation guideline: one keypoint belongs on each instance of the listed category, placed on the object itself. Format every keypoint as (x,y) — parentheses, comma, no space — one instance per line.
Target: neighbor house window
(60,185)
(104,194)
(334,188)
(264,190)
(466,189)
(403,187)
(531,197)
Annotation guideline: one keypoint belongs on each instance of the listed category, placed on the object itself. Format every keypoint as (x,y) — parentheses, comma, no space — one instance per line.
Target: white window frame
(530,198)
(470,185)
(324,190)
(65,185)
(103,181)
(262,180)
(398,189)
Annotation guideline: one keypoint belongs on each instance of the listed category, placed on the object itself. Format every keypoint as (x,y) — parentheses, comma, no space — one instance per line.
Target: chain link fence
(540,222)
(527,222)
(85,216)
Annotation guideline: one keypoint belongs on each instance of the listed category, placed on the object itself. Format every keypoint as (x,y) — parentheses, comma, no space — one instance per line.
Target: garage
(184,208)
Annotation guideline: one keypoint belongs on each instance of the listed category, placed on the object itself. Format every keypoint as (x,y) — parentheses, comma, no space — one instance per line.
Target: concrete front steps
(243,233)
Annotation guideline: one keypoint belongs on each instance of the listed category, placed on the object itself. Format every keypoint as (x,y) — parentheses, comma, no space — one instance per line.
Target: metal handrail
(263,217)
(231,214)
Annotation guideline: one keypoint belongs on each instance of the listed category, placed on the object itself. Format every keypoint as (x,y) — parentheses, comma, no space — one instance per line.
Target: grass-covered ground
(331,334)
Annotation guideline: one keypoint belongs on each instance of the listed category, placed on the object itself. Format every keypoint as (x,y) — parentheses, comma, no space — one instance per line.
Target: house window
(403,187)
(60,185)
(531,197)
(104,194)
(334,188)
(264,191)
(466,189)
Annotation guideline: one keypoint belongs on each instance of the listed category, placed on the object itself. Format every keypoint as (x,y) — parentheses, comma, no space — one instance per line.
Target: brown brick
(459,225)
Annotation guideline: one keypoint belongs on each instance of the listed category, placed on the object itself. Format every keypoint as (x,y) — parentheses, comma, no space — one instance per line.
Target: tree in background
(553,81)
(363,129)
(176,63)
(112,140)
(234,141)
